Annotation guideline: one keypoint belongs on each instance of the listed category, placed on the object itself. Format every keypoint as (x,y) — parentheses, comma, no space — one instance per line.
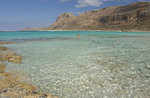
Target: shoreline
(11,85)
(92,30)
(79,30)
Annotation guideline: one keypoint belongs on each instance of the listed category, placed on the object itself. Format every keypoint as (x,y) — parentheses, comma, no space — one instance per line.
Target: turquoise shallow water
(98,65)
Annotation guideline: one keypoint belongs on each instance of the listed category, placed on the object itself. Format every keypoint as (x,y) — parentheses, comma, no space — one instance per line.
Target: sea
(100,64)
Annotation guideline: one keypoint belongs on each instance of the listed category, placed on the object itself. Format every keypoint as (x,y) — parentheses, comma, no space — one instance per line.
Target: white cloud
(85,3)
(143,0)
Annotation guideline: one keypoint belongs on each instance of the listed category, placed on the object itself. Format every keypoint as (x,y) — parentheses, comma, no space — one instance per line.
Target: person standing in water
(78,36)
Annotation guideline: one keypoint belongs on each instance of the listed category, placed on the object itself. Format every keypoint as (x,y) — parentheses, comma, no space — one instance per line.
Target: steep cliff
(135,16)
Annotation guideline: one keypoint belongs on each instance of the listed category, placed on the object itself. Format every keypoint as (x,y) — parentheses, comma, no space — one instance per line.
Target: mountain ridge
(135,16)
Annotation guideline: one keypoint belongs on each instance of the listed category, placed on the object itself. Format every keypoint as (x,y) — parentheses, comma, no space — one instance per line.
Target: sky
(19,14)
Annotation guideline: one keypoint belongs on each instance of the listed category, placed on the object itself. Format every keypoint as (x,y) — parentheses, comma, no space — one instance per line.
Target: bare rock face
(63,20)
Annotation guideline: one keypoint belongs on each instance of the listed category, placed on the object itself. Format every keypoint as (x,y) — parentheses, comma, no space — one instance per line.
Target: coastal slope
(135,16)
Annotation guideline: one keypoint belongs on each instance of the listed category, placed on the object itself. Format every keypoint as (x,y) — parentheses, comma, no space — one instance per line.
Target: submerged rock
(40,96)
(5,56)
(10,95)
(15,59)
(17,95)
(27,87)
(3,48)
(11,57)
(4,42)
(2,67)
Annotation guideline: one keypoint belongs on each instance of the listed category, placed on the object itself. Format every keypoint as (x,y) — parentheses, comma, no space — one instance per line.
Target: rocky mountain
(135,16)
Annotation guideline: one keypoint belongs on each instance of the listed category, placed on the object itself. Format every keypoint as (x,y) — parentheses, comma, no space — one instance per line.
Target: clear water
(98,65)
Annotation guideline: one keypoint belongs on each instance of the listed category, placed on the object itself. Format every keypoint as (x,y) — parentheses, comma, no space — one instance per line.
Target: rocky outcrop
(63,21)
(134,16)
